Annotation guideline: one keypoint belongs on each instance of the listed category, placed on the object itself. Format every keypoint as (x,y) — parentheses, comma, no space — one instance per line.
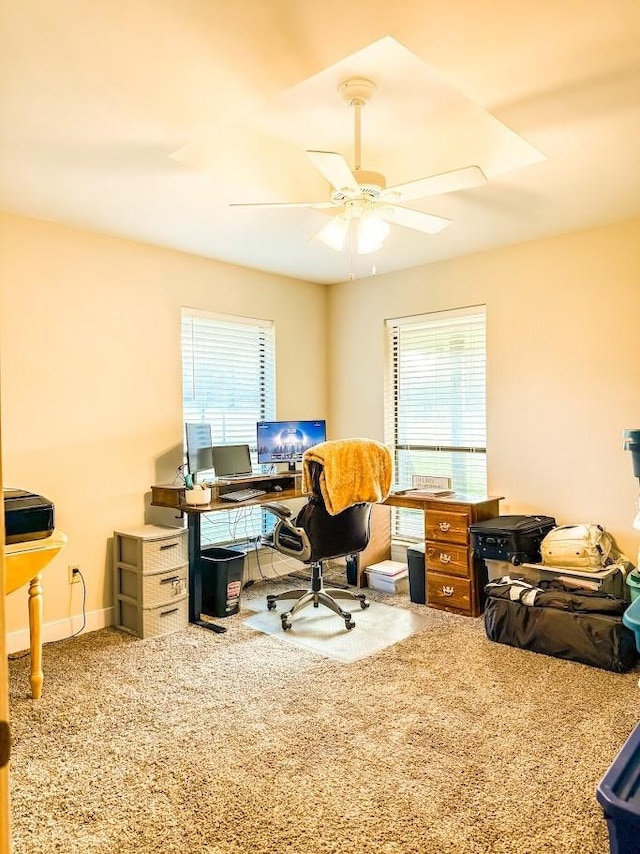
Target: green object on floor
(633,580)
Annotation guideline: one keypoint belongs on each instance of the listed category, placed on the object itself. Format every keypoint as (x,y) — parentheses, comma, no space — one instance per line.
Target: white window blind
(435,411)
(228,381)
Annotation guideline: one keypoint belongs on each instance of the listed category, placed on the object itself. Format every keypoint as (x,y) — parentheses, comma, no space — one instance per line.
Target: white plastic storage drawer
(150,590)
(151,622)
(164,586)
(152,554)
(150,574)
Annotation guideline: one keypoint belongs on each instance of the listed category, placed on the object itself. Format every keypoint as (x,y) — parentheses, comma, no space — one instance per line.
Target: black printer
(27,516)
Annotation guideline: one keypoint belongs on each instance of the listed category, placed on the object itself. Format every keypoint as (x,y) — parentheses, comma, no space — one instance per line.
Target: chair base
(318,595)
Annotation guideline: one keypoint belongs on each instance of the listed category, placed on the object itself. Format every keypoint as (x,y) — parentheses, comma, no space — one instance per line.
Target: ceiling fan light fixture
(372,232)
(363,204)
(333,234)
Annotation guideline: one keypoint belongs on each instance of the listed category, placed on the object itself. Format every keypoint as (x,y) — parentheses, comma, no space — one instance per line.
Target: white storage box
(388,576)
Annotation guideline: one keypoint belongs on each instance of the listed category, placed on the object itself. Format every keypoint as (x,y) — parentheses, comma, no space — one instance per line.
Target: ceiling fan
(363,204)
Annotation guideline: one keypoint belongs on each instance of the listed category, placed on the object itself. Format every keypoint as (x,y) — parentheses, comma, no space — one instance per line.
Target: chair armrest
(282,511)
(286,537)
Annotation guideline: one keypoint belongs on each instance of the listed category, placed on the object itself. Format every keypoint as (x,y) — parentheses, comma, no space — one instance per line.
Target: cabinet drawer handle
(445,558)
(444,526)
(166,613)
(170,580)
(168,546)
(448,590)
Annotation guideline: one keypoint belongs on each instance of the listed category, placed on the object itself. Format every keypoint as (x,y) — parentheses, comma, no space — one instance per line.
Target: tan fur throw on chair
(354,470)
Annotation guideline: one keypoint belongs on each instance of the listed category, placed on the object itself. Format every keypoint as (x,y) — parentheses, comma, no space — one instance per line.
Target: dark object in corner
(27,516)
(417,578)
(550,618)
(618,794)
(5,743)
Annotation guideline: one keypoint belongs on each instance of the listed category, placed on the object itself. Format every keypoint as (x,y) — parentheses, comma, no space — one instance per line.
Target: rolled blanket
(353,471)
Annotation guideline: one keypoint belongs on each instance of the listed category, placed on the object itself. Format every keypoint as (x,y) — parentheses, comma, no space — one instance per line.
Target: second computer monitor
(286,441)
(199,458)
(231,460)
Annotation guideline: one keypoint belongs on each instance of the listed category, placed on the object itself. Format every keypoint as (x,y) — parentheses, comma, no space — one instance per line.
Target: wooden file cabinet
(454,575)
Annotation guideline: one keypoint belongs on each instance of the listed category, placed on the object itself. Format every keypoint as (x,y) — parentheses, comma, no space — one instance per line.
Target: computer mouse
(277,489)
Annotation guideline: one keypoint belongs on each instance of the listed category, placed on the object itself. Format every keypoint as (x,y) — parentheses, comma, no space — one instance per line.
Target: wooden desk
(174,496)
(24,563)
(455,576)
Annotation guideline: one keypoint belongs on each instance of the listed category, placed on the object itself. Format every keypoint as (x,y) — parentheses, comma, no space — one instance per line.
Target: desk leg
(35,635)
(193,523)
(195,578)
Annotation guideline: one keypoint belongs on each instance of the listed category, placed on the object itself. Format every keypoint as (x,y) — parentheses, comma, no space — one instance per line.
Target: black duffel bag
(577,625)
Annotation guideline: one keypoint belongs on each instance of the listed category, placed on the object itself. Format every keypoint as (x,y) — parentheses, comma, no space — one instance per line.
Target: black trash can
(415,562)
(219,582)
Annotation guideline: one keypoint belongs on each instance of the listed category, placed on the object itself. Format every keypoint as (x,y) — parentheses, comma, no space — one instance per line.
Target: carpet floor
(238,743)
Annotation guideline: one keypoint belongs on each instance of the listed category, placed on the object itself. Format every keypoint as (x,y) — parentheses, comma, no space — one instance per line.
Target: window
(435,409)
(228,381)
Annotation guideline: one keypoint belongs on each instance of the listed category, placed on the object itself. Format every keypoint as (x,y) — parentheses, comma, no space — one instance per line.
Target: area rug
(323,632)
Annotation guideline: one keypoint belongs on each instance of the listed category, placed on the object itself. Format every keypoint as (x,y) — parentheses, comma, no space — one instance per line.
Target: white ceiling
(147,118)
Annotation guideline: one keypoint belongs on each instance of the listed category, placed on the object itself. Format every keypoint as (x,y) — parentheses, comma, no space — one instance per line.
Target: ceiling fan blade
(435,185)
(418,220)
(335,169)
(316,205)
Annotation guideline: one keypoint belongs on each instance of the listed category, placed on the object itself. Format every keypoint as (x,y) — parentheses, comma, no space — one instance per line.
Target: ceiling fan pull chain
(357,107)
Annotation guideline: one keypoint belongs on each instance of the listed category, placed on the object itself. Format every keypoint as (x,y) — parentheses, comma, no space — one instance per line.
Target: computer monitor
(199,456)
(231,460)
(286,441)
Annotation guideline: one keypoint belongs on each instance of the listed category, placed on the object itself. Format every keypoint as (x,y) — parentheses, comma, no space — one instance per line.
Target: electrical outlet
(74,573)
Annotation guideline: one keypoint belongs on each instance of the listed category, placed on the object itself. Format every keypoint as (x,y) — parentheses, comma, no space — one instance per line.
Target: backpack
(586,546)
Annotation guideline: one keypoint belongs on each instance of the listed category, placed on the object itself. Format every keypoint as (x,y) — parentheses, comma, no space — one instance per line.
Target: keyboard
(242,495)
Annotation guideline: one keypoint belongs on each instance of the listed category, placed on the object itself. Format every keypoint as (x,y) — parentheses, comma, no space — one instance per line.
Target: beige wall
(563,325)
(91,389)
(91,383)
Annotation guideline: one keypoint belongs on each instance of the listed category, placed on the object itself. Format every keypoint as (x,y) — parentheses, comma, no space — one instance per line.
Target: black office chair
(314,537)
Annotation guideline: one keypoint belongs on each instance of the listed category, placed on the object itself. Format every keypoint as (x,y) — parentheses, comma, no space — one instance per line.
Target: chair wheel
(285,625)
(364,604)
(349,624)
(271,605)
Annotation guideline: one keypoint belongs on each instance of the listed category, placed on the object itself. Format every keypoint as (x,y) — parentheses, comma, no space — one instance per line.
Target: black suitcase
(553,619)
(27,516)
(511,538)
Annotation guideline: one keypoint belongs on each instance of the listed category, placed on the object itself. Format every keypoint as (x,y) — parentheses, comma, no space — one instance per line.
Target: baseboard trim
(269,564)
(61,629)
